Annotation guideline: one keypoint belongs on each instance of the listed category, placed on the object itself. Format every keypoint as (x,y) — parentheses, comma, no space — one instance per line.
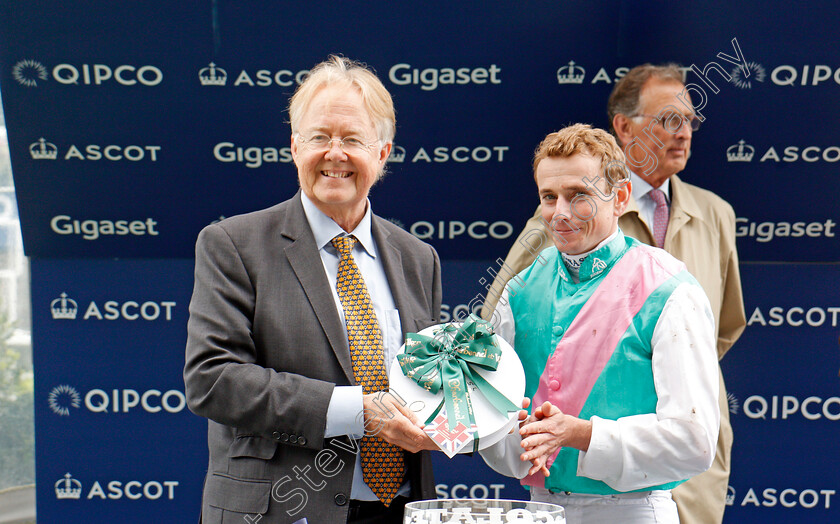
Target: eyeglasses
(669,121)
(349,144)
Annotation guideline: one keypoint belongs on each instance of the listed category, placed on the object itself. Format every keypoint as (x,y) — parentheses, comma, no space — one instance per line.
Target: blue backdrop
(132,125)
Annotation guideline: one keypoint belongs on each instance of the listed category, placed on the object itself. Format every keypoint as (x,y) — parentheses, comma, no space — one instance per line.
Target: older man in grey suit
(296,315)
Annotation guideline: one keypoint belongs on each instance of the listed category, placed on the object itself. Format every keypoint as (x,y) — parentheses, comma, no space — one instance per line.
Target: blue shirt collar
(325,228)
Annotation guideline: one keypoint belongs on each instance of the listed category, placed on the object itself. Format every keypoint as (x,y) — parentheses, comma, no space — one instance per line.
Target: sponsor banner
(111,312)
(126,151)
(134,392)
(115,436)
(782,381)
(95,153)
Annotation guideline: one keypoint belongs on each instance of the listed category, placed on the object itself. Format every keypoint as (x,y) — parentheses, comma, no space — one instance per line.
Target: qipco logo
(125,400)
(452,229)
(785,407)
(98,74)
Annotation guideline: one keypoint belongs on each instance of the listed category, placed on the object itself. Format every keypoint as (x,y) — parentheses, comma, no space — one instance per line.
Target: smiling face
(579,217)
(338,183)
(655,95)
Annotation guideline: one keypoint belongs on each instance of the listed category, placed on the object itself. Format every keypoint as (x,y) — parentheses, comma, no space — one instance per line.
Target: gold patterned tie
(383,464)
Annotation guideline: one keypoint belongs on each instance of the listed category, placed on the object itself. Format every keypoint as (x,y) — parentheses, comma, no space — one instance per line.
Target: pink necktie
(660,216)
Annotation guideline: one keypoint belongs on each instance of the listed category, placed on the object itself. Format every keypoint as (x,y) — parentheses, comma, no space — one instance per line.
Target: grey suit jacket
(265,349)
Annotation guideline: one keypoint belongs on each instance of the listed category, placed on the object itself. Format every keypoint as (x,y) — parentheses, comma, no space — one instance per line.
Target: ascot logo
(43,150)
(795,316)
(397,155)
(812,498)
(740,152)
(476,491)
(212,76)
(574,74)
(62,398)
(69,488)
(29,73)
(830,154)
(730,496)
(64,308)
(571,74)
(459,311)
(756,71)
(460,154)
(743,152)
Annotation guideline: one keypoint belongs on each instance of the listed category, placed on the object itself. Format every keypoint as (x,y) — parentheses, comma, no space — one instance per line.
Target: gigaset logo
(90,229)
(431,78)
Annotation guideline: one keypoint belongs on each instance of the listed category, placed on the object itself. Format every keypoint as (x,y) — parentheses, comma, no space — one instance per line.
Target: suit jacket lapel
(306,263)
(683,207)
(392,263)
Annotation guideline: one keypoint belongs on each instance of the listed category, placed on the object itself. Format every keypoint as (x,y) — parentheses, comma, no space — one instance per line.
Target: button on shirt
(647,206)
(346,402)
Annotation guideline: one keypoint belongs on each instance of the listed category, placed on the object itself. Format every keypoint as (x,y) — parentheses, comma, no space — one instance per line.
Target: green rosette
(448,360)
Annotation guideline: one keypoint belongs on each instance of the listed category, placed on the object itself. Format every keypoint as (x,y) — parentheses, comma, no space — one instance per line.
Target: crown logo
(43,150)
(570,74)
(212,76)
(730,496)
(68,488)
(64,308)
(740,152)
(397,155)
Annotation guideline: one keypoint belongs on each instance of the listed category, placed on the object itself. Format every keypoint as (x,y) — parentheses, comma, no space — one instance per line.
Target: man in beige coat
(692,224)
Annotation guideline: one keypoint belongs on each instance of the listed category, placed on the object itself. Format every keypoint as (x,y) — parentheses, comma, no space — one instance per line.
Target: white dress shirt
(345,408)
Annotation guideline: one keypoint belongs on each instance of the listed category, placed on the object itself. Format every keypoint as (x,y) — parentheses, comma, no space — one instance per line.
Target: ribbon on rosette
(449,360)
